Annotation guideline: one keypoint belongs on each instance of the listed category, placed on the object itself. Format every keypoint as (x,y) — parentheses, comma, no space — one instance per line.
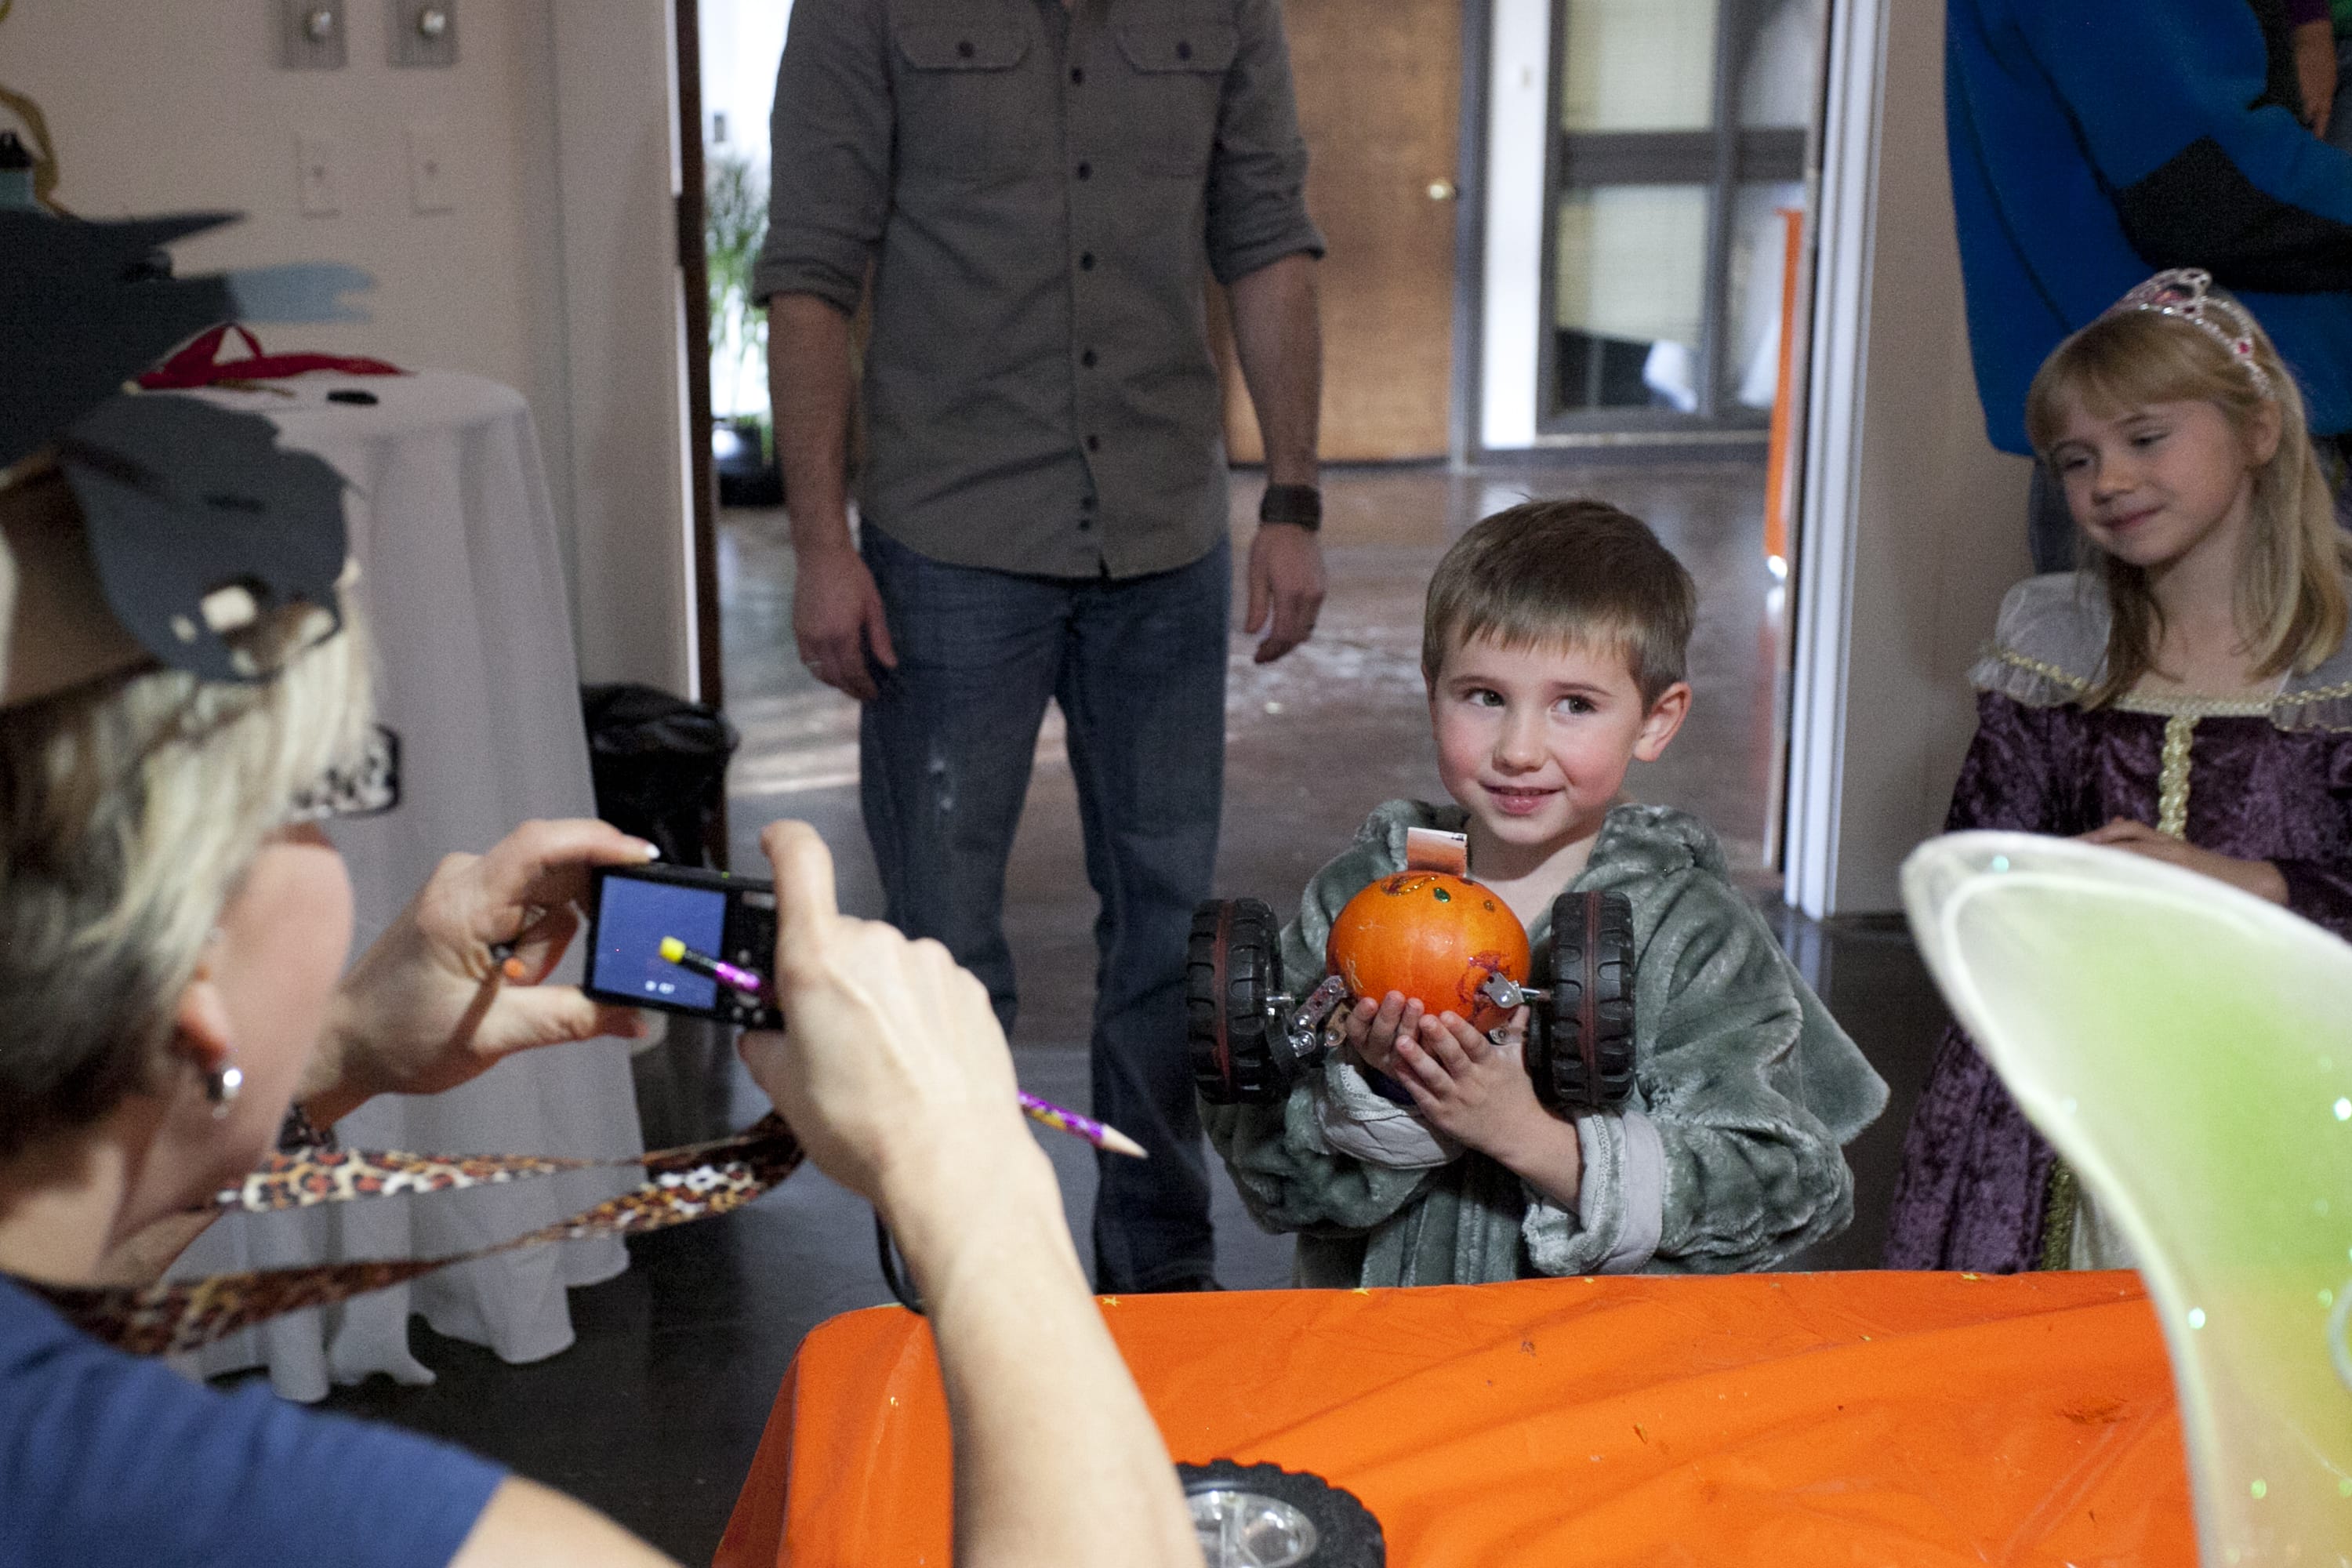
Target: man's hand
(1285,578)
(426,1008)
(891,1069)
(2259,878)
(837,618)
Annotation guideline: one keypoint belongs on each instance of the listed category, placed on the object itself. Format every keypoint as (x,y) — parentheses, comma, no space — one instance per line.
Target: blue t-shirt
(106,1459)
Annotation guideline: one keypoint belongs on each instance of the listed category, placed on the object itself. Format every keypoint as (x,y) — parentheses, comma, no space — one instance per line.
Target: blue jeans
(1138,668)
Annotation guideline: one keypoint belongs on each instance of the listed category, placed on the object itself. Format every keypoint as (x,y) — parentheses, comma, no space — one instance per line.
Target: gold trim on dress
(2172,776)
(2037,667)
(2189,705)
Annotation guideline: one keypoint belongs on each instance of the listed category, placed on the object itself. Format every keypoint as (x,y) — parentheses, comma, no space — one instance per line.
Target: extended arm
(893,1072)
(837,616)
(2315,70)
(2201,180)
(1263,246)
(1279,336)
(831,139)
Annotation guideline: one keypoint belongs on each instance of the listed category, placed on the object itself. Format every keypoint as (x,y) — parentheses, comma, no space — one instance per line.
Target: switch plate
(424,32)
(318,175)
(311,35)
(429,179)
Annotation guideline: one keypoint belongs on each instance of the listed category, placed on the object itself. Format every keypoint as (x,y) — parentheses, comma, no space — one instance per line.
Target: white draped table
(464,587)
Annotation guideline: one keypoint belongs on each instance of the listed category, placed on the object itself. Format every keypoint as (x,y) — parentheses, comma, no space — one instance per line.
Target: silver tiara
(2186,294)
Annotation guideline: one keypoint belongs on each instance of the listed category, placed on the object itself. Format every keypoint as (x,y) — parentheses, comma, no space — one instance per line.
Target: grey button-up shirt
(1039,193)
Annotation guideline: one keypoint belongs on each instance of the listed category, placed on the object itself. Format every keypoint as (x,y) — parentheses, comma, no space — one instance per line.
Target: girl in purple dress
(2187,695)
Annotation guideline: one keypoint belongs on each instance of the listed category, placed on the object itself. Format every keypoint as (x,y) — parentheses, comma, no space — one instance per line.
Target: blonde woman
(171,949)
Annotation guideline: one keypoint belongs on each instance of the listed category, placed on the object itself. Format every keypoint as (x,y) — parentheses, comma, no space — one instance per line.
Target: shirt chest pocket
(965,111)
(1177,75)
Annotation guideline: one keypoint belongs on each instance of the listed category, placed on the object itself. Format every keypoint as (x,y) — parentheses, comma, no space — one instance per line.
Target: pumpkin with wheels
(1435,938)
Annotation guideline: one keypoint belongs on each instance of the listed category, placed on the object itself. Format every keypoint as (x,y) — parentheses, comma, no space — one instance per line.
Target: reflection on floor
(654,1413)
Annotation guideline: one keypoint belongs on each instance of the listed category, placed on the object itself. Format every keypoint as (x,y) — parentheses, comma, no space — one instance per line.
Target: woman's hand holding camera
(427,1007)
(891,1069)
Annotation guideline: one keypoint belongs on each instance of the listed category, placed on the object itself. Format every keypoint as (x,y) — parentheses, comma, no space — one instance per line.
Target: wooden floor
(653,1415)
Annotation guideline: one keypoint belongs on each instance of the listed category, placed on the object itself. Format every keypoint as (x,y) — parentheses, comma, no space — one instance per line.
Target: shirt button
(1085,525)
(1088,359)
(1077,76)
(1094,443)
(1086,171)
(1085,261)
(1183,50)
(1086,503)
(964,49)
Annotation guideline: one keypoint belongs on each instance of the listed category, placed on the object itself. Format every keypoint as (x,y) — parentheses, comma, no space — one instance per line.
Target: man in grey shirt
(1036,193)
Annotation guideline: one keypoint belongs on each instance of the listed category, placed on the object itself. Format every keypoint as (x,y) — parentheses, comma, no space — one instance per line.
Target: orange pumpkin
(1436,938)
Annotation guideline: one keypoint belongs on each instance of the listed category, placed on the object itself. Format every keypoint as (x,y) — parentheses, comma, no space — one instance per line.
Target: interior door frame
(1464,439)
(1733,155)
(694,275)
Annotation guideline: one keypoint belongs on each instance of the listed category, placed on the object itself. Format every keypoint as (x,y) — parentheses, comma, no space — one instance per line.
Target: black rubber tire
(1233,963)
(1580,1050)
(1346,1534)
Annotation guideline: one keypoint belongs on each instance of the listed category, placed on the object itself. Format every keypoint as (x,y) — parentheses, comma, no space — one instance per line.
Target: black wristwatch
(1300,505)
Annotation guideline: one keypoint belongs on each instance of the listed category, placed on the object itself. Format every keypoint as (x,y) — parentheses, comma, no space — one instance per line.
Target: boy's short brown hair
(1569,574)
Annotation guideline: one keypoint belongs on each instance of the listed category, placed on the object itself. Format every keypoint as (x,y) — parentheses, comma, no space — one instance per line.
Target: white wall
(169,107)
(1518,132)
(1913,525)
(616,162)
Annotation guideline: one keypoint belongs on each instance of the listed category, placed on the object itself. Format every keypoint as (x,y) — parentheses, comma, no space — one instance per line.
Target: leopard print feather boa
(695,1182)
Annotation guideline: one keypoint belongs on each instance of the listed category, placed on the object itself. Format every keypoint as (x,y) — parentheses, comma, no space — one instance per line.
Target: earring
(221,1086)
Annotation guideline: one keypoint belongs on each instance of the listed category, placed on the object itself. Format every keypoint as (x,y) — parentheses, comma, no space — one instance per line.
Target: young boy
(1553,647)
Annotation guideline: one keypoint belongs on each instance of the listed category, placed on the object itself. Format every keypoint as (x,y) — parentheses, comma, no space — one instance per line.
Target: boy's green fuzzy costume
(1746,1090)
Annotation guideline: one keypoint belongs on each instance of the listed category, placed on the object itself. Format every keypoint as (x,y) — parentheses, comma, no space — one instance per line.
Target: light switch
(311,34)
(428,170)
(424,32)
(319,176)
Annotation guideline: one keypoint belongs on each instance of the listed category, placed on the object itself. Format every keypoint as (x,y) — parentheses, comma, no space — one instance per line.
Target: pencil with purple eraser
(1044,1111)
(750,984)
(1047,1113)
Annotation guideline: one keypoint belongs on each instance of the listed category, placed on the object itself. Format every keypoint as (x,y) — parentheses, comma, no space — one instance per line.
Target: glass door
(1679,144)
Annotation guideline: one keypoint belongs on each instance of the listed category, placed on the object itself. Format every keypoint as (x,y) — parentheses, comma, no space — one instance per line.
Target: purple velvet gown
(1974,1182)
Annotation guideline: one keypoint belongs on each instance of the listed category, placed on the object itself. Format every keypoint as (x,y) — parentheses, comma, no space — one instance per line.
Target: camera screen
(630,924)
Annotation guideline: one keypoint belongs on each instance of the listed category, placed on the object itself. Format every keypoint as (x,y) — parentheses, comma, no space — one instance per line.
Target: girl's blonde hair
(129,807)
(2290,601)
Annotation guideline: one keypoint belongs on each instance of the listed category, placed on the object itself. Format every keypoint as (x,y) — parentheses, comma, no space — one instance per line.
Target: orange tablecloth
(1791,1420)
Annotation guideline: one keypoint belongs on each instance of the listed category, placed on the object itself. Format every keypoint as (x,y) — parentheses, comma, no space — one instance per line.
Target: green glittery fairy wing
(2187,1050)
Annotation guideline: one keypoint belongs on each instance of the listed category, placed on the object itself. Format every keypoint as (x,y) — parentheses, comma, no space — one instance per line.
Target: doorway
(1679,140)
(1379,103)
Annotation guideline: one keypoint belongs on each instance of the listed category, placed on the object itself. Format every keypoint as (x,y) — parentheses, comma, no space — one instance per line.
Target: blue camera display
(631,920)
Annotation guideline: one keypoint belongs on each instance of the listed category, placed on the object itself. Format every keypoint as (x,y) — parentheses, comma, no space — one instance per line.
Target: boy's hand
(1479,1092)
(1372,1029)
